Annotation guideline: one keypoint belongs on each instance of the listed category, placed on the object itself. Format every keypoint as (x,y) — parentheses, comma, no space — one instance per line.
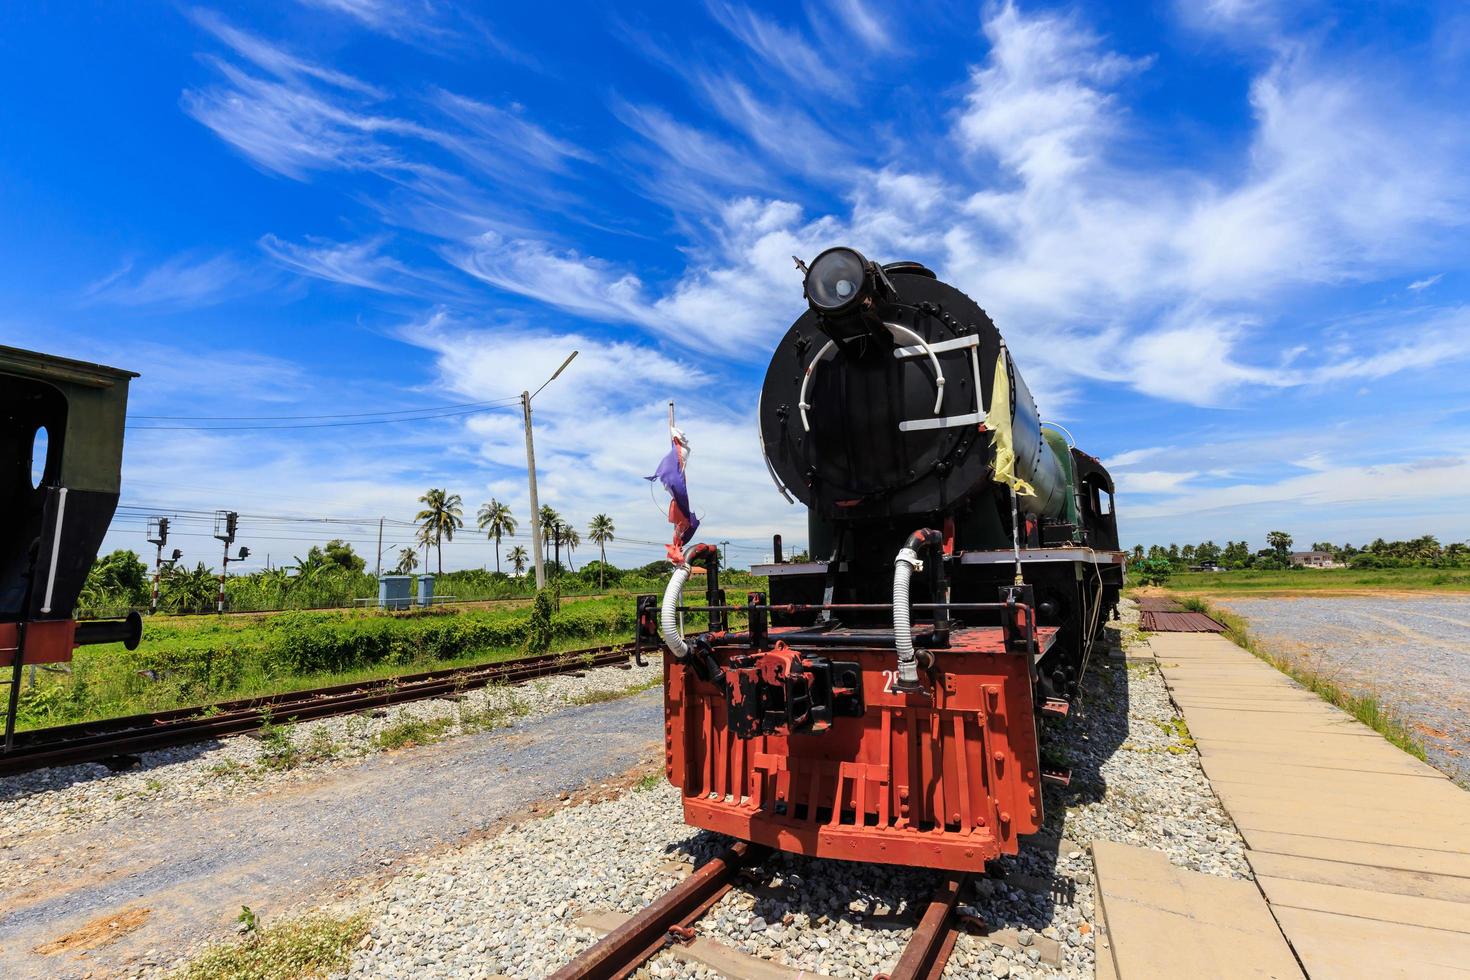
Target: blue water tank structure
(395,591)
(426,590)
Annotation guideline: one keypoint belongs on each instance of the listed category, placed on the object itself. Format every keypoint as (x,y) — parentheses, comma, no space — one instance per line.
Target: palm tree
(601,531)
(571,539)
(518,559)
(442,517)
(549,521)
(496,521)
(408,560)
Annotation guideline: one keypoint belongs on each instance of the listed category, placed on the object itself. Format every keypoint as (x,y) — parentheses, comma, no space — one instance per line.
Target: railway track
(670,918)
(96,741)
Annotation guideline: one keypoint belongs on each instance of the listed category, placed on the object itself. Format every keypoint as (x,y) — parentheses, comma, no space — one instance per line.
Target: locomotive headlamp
(845,290)
(837,281)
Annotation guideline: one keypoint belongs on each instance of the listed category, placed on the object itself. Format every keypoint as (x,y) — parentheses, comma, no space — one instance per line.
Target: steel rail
(35,736)
(934,937)
(93,741)
(627,947)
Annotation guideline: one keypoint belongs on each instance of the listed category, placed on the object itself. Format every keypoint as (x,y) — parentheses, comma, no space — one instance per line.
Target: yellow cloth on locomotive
(998,421)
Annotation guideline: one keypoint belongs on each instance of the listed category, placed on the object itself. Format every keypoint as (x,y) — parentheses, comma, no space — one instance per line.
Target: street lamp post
(526,397)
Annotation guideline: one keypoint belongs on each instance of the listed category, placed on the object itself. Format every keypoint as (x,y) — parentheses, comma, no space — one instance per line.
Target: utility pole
(157,536)
(535,504)
(379,573)
(526,397)
(725,554)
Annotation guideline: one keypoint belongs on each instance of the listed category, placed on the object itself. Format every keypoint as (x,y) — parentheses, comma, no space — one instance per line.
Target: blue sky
(1226,242)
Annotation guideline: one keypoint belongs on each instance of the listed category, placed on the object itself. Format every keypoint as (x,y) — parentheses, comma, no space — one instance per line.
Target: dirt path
(141,889)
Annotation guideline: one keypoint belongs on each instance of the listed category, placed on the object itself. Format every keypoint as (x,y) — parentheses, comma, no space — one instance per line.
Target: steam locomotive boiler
(882,703)
(61,438)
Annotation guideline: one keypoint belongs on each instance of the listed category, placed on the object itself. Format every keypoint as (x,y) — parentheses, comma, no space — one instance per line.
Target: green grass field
(188,661)
(1246,582)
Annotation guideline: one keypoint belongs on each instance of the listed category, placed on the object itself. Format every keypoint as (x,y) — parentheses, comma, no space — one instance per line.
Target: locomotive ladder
(12,702)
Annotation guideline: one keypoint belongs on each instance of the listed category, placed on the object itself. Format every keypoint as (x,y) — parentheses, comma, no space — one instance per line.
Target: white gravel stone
(69,799)
(508,905)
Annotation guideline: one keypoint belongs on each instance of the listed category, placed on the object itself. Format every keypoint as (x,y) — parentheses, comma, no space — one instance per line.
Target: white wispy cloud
(1152,481)
(606,415)
(404,20)
(736,305)
(287,127)
(506,134)
(275,59)
(446,163)
(178,283)
(1037,191)
(856,18)
(783,49)
(361,263)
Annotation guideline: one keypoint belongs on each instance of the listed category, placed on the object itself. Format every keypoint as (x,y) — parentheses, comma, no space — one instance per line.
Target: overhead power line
(352,421)
(310,418)
(277,527)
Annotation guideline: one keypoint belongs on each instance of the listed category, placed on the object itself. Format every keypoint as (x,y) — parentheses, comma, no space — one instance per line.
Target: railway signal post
(158,537)
(226,523)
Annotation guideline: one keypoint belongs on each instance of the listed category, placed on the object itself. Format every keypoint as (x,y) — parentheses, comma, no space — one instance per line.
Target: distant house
(1313,559)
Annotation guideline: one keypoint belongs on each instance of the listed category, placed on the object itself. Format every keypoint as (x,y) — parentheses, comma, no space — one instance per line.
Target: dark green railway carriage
(61,439)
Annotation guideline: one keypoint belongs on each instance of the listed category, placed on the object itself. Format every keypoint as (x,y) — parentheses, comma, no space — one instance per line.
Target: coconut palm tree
(549,521)
(496,521)
(601,531)
(571,539)
(518,559)
(442,516)
(408,560)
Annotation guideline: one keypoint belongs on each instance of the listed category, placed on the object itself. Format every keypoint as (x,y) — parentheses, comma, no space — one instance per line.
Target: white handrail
(893,328)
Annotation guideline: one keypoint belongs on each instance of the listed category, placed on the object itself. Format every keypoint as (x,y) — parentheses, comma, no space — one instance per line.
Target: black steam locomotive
(882,702)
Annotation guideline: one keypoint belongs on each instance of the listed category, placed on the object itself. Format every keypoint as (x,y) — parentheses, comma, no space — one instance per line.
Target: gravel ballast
(70,799)
(508,906)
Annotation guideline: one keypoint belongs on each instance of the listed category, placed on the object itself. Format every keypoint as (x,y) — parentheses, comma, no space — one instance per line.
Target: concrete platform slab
(1419,884)
(1362,831)
(1372,853)
(1266,769)
(1434,913)
(1164,921)
(1348,790)
(1346,947)
(1361,850)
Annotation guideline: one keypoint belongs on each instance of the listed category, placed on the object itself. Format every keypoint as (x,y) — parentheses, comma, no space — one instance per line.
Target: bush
(194,661)
(539,625)
(1151,571)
